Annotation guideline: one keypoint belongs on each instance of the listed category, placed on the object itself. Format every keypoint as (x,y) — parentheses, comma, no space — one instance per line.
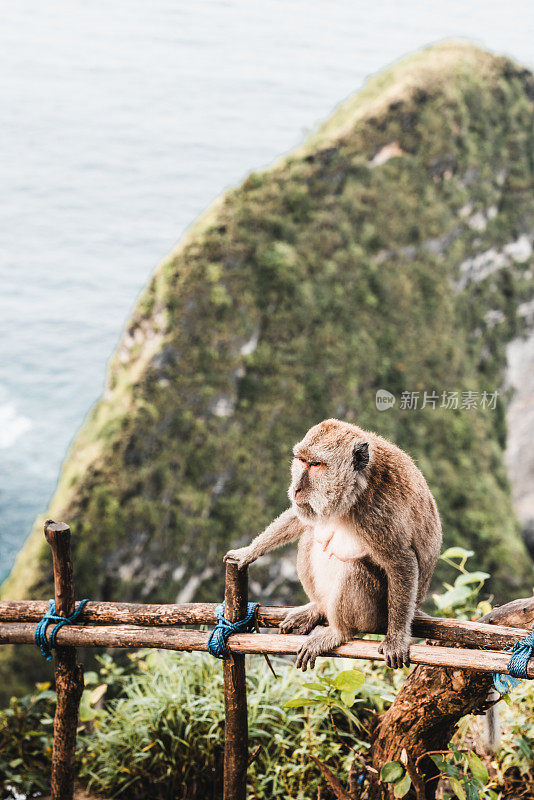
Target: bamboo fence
(135,625)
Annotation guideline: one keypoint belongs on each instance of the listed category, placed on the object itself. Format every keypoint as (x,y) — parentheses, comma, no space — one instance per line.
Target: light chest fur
(334,543)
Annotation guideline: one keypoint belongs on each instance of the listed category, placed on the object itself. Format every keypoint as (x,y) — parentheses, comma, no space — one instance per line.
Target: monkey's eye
(301,459)
(315,464)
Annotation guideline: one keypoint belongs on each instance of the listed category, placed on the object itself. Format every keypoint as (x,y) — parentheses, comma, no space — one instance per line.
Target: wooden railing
(133,625)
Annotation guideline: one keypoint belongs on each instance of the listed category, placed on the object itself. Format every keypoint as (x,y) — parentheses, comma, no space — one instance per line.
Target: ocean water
(121,122)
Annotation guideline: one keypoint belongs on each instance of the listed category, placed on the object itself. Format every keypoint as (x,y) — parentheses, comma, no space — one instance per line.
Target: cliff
(391,251)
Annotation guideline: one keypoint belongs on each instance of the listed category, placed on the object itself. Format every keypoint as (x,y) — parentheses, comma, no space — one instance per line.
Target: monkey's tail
(492,724)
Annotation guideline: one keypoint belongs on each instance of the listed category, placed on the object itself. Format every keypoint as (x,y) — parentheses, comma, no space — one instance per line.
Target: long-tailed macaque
(369,537)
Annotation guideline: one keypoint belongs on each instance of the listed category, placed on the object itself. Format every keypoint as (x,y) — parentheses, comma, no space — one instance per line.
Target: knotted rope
(521,651)
(46,645)
(224,629)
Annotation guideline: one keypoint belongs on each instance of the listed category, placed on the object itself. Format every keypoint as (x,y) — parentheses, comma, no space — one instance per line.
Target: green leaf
(453,597)
(300,702)
(478,768)
(97,693)
(507,699)
(348,698)
(403,786)
(483,607)
(47,694)
(89,698)
(457,788)
(522,743)
(391,771)
(439,761)
(86,713)
(472,790)
(349,680)
(471,577)
(457,552)
(318,687)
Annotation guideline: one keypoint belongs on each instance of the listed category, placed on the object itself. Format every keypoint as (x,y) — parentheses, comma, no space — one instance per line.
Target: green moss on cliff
(299,294)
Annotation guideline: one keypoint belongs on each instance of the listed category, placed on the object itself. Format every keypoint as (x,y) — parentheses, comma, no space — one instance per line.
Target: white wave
(12,425)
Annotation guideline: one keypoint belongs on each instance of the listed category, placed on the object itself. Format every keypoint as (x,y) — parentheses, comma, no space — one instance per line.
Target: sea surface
(121,122)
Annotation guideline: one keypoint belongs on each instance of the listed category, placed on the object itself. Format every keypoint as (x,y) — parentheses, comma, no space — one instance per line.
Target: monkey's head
(329,469)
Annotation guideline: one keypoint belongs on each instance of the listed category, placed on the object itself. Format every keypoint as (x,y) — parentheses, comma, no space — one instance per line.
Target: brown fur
(381,512)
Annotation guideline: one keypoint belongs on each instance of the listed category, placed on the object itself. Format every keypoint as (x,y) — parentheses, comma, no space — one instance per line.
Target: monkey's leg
(285,528)
(324,639)
(302,620)
(403,572)
(320,641)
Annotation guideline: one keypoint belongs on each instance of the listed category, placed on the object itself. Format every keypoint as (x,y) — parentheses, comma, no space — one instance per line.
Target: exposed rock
(520,419)
(481,266)
(391,150)
(248,348)
(223,406)
(521,250)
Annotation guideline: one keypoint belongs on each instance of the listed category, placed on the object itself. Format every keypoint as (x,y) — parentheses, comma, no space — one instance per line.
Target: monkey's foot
(396,648)
(303,620)
(321,641)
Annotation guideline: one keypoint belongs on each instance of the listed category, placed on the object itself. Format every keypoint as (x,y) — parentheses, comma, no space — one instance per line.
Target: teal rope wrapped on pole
(47,645)
(224,629)
(521,651)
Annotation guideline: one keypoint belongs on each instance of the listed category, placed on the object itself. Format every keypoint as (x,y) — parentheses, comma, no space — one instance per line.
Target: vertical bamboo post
(235,692)
(69,674)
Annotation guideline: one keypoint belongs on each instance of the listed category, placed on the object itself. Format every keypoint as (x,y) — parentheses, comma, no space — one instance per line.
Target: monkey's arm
(285,528)
(403,575)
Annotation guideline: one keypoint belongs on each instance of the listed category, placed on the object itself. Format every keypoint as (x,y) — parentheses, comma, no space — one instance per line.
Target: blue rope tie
(46,645)
(224,629)
(521,651)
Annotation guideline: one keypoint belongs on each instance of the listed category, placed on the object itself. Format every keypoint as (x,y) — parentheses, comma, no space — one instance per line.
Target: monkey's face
(308,479)
(328,470)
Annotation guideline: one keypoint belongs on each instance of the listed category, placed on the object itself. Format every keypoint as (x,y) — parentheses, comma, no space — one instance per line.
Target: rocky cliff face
(392,251)
(520,422)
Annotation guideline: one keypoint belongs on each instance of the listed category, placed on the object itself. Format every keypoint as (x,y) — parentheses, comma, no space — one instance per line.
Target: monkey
(369,536)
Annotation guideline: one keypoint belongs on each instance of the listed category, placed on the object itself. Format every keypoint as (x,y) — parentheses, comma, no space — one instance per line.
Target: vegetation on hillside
(347,267)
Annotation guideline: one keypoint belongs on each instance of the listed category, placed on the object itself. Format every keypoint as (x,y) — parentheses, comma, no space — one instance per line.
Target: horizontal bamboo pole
(271,644)
(119,613)
(463,632)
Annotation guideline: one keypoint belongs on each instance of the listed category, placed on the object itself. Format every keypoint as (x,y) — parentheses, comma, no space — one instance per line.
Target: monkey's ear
(360,455)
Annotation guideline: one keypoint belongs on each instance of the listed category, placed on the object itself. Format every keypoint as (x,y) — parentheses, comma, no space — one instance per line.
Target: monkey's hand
(243,556)
(395,648)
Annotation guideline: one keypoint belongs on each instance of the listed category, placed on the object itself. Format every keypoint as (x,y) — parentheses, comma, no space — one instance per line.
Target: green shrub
(26,743)
(163,736)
